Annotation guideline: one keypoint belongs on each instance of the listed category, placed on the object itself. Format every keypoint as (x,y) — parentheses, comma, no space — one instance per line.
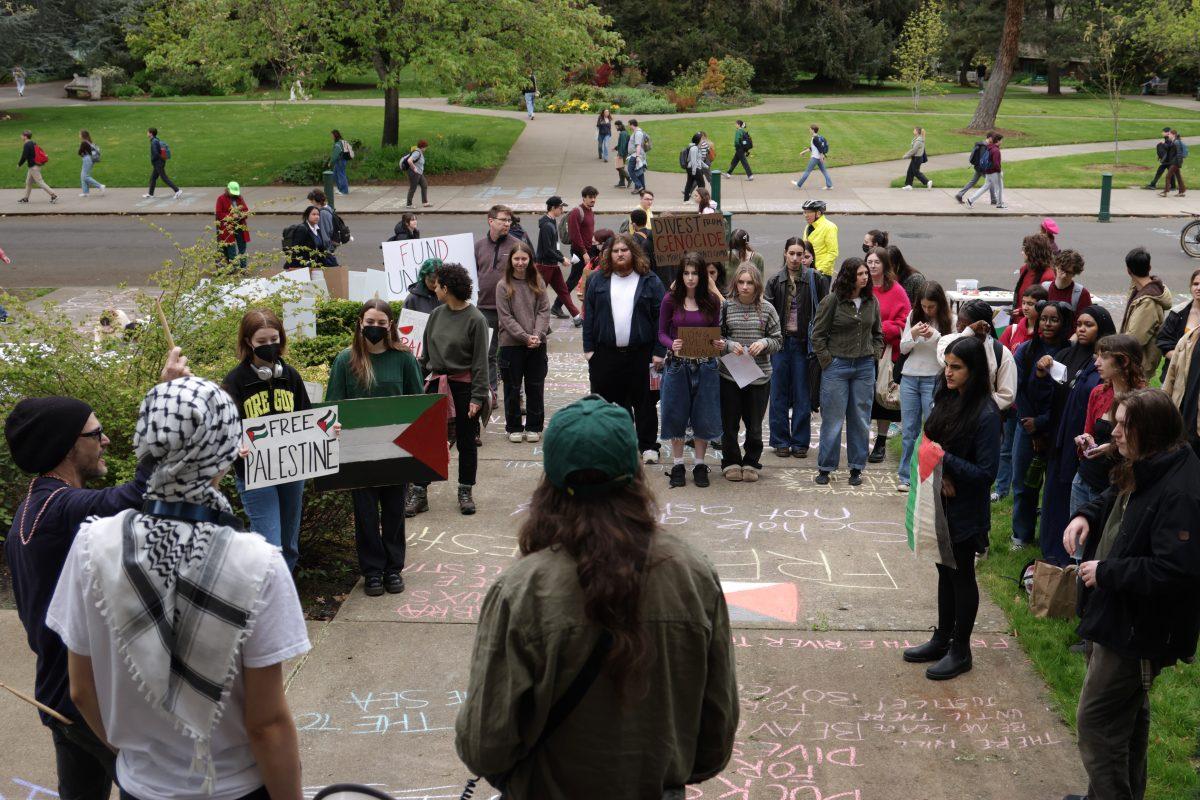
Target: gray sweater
(457,341)
(524,314)
(746,325)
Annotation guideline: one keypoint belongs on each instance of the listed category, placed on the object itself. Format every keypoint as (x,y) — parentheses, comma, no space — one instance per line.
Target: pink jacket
(893,313)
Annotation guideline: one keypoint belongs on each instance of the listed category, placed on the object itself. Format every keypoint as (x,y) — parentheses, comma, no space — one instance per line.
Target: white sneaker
(749,177)
(533,436)
(147,197)
(178,194)
(83,194)
(649,456)
(930,185)
(516,437)
(826,188)
(907,188)
(102,188)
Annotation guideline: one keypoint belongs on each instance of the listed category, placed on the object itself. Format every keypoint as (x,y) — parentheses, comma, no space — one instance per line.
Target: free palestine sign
(290,447)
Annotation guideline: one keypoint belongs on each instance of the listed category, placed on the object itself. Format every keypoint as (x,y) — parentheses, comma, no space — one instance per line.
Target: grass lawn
(1082,171)
(1174,700)
(1022,103)
(884,89)
(248,143)
(864,137)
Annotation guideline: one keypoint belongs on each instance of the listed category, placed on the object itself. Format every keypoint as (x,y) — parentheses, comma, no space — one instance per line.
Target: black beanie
(42,430)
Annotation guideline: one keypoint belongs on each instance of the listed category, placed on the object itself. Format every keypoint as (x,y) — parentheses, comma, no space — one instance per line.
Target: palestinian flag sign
(387,441)
(928,531)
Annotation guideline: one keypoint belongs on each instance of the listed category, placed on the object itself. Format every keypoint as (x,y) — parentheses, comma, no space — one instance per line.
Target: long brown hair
(532,276)
(641,264)
(1126,351)
(254,320)
(1039,256)
(360,356)
(934,293)
(889,272)
(609,538)
(1153,425)
(708,301)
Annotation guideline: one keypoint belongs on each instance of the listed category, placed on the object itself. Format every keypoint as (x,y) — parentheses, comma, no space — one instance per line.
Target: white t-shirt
(922,353)
(858,301)
(624,294)
(155,759)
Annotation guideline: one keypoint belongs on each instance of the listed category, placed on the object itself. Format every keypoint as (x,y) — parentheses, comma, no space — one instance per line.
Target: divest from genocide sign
(290,447)
(675,235)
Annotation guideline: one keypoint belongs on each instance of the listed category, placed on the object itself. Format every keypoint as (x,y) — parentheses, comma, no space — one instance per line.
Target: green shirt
(1112,527)
(533,638)
(396,373)
(457,341)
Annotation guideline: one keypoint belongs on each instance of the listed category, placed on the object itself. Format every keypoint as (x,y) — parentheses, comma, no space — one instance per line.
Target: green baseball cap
(234,188)
(590,434)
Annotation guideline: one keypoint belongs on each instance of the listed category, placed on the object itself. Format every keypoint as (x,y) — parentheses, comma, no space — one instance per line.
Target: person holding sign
(455,361)
(260,385)
(691,390)
(374,365)
(847,338)
(523,307)
(751,329)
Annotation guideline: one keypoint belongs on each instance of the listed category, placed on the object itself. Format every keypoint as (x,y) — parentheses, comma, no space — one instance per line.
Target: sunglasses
(97,434)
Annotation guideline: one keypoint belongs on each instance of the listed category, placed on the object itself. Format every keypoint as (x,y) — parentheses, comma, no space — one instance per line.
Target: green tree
(1110,37)
(1002,70)
(973,30)
(1170,31)
(1057,33)
(921,42)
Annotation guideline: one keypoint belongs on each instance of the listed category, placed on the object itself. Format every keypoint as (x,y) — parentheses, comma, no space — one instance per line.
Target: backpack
(564,230)
(95,154)
(341,231)
(977,152)
(747,142)
(164,150)
(1183,148)
(683,157)
(347,150)
(645,142)
(1076,292)
(404,161)
(39,156)
(985,160)
(289,235)
(822,145)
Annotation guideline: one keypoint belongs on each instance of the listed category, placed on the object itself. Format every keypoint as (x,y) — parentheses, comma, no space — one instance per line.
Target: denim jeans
(975,178)
(339,176)
(602,146)
(86,181)
(1025,499)
(274,513)
(916,398)
(691,394)
(637,173)
(1004,477)
(235,253)
(816,163)
(847,389)
(1081,494)
(993,183)
(789,393)
(529,103)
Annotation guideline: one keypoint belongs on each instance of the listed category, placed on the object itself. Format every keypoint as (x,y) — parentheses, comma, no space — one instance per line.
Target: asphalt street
(53,251)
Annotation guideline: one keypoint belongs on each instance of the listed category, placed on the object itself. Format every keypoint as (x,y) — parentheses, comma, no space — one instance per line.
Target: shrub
(727,77)
(110,79)
(738,74)
(684,99)
(303,173)
(126,90)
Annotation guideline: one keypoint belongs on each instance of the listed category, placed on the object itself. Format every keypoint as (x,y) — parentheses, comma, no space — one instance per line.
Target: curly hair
(455,279)
(846,280)
(1126,351)
(641,264)
(1069,261)
(1039,256)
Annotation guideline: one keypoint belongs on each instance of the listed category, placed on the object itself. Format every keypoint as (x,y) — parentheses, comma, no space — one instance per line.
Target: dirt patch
(1117,168)
(1007,133)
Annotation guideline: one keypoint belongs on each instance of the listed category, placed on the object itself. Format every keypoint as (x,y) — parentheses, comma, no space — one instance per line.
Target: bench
(86,87)
(1156,86)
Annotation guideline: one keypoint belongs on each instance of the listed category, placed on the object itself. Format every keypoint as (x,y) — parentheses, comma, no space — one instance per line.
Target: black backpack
(289,235)
(341,231)
(977,153)
(747,142)
(683,157)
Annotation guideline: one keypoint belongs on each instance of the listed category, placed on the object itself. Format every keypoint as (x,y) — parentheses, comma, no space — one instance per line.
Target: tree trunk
(1053,86)
(1006,58)
(391,117)
(962,74)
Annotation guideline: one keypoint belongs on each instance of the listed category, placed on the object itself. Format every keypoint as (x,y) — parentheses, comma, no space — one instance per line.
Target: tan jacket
(1177,373)
(1144,314)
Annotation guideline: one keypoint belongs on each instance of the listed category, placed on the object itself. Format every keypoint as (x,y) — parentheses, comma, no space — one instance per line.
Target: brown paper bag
(338,282)
(1054,589)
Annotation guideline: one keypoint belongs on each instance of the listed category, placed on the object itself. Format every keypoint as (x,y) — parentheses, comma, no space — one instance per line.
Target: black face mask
(374,333)
(268,352)
(866,247)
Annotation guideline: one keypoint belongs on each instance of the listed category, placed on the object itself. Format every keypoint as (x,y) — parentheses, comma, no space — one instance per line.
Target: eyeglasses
(97,434)
(503,220)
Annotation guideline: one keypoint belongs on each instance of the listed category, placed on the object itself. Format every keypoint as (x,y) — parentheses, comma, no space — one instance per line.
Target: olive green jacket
(840,330)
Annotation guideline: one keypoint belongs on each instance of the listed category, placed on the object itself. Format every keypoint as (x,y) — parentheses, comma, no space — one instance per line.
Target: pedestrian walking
(818,150)
(749,326)
(89,154)
(643,644)
(993,173)
(376,365)
(549,261)
(200,709)
(742,145)
(622,154)
(261,384)
(740,252)
(32,158)
(1149,300)
(926,324)
(695,165)
(491,254)
(620,334)
(406,229)
(18,73)
(894,308)
(1161,150)
(523,306)
(339,158)
(160,154)
(581,231)
(530,92)
(916,157)
(795,292)
(977,161)
(691,389)
(1068,265)
(639,145)
(823,235)
(422,296)
(307,245)
(414,165)
(3,311)
(604,127)
(455,362)
(847,338)
(1177,151)
(1140,571)
(965,424)
(233,224)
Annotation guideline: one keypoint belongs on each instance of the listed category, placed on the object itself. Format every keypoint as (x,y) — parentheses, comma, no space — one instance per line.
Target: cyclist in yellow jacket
(823,235)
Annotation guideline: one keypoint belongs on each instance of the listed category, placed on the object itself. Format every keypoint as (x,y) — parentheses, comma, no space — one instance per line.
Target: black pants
(522,366)
(1114,724)
(86,768)
(958,596)
(493,321)
(914,171)
(258,794)
(739,157)
(416,179)
(621,375)
(743,407)
(160,171)
(695,180)
(379,529)
(466,428)
(1158,174)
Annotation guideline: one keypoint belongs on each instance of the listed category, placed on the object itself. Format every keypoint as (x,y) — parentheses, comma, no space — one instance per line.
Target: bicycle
(1189,237)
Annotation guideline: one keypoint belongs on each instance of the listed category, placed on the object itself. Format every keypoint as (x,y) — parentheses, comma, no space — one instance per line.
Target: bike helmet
(814,205)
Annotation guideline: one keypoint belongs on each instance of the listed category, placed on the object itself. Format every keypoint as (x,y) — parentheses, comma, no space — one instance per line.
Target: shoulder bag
(887,391)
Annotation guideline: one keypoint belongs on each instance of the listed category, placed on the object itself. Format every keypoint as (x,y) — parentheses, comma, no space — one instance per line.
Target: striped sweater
(746,325)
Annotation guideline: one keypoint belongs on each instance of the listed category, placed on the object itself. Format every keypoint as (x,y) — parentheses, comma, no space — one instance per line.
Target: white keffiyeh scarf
(180,597)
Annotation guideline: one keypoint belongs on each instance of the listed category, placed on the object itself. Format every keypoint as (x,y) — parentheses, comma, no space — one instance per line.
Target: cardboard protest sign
(402,260)
(411,327)
(387,441)
(290,447)
(676,234)
(698,342)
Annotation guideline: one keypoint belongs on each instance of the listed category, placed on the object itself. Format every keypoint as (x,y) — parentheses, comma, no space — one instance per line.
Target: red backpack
(39,155)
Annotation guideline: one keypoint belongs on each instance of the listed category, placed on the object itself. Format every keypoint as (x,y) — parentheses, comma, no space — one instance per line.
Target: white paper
(285,448)
(377,285)
(356,286)
(411,328)
(402,260)
(743,369)
(1002,319)
(315,391)
(1058,372)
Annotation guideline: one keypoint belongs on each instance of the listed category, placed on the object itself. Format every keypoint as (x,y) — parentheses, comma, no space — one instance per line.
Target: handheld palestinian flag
(387,441)
(928,531)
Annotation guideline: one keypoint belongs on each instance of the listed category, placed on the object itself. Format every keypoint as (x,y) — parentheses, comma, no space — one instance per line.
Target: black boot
(879,450)
(621,178)
(954,663)
(933,650)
